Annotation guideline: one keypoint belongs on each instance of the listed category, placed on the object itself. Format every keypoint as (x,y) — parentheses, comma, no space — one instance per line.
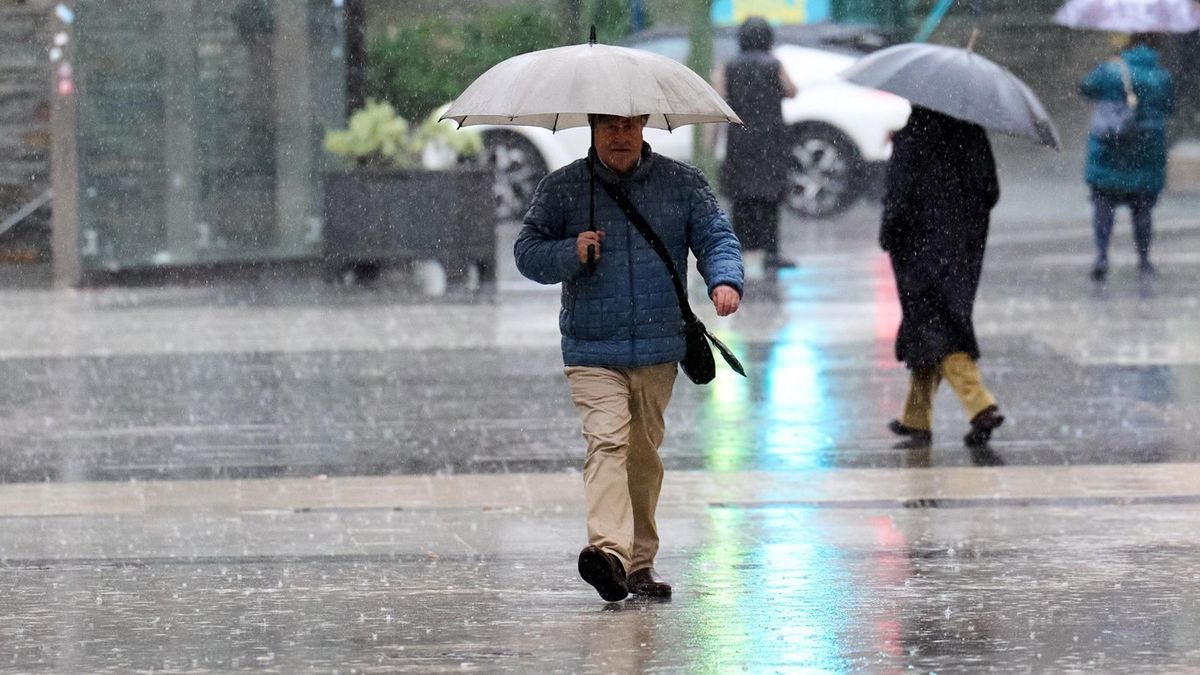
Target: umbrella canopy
(961,84)
(557,89)
(1131,16)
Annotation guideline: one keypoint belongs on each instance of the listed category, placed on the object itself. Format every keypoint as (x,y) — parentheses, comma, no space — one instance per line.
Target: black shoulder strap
(639,221)
(689,317)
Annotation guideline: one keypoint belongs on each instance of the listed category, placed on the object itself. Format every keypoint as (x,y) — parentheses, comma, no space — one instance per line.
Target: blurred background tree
(425,60)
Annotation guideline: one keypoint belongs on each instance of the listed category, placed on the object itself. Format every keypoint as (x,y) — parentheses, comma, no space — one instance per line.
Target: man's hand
(725,300)
(586,239)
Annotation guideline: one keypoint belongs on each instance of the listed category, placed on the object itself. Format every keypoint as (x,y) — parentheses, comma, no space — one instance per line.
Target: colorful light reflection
(786,426)
(775,595)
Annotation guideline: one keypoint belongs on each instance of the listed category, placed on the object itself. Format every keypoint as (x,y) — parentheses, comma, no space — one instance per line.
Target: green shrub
(422,64)
(377,136)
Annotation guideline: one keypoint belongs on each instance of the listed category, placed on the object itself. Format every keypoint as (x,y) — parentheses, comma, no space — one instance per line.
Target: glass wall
(197,127)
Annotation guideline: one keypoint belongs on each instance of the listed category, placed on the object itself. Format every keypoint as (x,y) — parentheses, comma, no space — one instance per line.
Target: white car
(840,133)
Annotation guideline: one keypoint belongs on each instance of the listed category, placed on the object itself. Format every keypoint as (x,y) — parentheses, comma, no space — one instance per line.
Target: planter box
(378,216)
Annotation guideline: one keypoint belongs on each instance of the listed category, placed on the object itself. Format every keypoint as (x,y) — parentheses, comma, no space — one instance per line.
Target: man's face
(619,141)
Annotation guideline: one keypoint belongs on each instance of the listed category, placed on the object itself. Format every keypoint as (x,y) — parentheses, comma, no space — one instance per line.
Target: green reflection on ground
(775,596)
(779,418)
(727,433)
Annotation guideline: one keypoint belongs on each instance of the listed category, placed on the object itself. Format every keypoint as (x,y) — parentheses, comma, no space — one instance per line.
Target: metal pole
(637,15)
(700,59)
(933,20)
(356,75)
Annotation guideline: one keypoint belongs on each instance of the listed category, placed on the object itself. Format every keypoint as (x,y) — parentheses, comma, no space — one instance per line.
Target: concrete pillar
(64,161)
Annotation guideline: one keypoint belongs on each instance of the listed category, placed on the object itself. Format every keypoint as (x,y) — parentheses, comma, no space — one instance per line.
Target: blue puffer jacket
(625,313)
(1138,166)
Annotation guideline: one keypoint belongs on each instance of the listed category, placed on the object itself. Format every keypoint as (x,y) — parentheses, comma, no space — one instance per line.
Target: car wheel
(825,176)
(517,168)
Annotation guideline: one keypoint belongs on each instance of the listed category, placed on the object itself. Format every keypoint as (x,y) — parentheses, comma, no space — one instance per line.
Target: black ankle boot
(982,426)
(916,437)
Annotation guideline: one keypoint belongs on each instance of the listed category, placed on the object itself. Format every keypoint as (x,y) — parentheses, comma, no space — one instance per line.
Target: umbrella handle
(591,261)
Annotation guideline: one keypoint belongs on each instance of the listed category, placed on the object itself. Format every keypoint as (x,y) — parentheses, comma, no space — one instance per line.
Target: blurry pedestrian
(622,328)
(754,173)
(941,187)
(1128,166)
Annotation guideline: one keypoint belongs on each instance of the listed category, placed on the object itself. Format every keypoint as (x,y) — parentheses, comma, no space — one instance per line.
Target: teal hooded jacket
(1137,165)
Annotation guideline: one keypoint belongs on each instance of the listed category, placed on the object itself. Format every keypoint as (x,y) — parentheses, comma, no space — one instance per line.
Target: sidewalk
(293,477)
(928,569)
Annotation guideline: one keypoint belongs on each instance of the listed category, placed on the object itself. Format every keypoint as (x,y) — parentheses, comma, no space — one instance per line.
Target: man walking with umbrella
(615,229)
(621,326)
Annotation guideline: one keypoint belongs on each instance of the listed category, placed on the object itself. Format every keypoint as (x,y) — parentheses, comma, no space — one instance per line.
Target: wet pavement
(292,477)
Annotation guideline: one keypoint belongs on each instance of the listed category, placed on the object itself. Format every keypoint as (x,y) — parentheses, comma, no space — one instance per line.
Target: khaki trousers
(963,375)
(622,414)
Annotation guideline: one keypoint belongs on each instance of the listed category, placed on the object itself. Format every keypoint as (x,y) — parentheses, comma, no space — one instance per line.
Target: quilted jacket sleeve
(543,250)
(711,239)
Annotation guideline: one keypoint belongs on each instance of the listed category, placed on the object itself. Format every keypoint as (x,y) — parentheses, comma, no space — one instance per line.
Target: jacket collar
(640,171)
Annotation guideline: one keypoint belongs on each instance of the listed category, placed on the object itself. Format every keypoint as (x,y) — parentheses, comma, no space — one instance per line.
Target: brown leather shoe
(647,582)
(604,571)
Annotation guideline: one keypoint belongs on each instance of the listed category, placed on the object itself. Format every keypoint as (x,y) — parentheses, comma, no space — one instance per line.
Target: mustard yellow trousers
(963,375)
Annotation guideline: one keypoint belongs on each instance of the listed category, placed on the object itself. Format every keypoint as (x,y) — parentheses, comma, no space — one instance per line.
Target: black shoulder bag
(698,363)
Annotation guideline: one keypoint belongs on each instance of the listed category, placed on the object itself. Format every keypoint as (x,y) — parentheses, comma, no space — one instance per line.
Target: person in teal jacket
(1129,170)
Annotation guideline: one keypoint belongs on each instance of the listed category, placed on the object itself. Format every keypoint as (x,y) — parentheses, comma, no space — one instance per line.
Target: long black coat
(941,188)
(757,154)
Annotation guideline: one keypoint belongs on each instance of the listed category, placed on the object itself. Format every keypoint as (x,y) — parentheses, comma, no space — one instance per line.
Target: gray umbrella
(961,84)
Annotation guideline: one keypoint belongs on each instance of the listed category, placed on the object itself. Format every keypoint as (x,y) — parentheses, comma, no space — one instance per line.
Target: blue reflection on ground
(797,409)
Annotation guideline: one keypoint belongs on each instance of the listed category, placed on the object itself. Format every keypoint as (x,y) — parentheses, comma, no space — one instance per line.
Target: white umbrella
(1131,16)
(557,89)
(958,83)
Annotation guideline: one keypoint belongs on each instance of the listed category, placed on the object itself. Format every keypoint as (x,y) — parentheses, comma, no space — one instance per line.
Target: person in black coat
(941,188)
(754,173)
